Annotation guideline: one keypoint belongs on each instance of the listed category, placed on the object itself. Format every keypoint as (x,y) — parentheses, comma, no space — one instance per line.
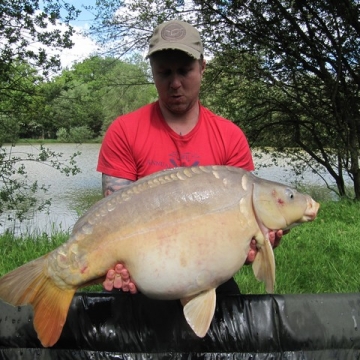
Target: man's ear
(203,66)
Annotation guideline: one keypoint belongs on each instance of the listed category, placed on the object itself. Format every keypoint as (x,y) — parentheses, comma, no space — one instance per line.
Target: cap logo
(173,32)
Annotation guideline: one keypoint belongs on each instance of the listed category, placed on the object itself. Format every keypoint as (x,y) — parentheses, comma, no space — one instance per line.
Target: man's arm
(111,184)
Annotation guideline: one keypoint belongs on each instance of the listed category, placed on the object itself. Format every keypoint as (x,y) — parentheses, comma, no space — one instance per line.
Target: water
(66,192)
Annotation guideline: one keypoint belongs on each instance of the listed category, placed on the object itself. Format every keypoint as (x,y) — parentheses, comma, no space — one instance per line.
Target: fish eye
(289,193)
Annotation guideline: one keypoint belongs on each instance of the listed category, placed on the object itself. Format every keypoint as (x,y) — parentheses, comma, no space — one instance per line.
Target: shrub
(76,134)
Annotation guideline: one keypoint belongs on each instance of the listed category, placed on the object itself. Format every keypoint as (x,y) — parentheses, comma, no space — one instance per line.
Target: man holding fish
(182,232)
(174,131)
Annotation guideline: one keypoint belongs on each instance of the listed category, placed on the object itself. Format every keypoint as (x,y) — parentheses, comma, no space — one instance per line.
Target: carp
(180,233)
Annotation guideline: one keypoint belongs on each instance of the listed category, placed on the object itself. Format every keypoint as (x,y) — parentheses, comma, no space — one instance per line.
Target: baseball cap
(176,35)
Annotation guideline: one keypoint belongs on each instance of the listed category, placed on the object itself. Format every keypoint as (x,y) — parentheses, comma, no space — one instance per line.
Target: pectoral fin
(264,266)
(199,311)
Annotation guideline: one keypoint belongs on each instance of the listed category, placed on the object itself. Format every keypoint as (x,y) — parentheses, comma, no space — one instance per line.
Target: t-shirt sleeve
(116,156)
(238,150)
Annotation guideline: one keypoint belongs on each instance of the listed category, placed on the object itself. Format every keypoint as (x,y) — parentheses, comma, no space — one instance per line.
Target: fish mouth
(311,210)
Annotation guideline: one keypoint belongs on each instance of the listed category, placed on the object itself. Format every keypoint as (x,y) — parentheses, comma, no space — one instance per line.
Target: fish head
(278,206)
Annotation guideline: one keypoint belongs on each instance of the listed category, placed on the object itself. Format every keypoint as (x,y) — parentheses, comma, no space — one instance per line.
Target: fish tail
(31,284)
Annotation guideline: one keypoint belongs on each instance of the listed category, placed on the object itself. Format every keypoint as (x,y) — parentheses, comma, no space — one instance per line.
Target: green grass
(83,201)
(318,257)
(17,251)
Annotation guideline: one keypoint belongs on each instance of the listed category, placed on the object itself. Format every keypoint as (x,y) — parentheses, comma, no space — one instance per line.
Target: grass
(318,257)
(17,251)
(83,201)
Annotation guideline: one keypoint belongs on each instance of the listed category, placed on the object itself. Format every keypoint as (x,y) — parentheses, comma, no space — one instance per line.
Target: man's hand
(274,237)
(119,278)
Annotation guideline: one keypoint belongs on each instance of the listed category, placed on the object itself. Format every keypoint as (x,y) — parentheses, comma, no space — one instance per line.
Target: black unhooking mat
(124,326)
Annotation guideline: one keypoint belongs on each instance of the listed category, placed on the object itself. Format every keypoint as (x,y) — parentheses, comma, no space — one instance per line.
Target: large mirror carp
(180,233)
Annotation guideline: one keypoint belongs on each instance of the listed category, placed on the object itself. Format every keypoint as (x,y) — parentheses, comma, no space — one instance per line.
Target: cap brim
(190,51)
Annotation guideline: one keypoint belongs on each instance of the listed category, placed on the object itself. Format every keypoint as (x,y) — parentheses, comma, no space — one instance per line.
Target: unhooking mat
(257,327)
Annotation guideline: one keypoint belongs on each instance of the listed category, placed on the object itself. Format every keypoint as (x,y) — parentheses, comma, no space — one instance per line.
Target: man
(174,131)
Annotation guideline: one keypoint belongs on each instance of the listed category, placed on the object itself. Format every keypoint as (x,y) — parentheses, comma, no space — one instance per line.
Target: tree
(129,88)
(27,33)
(95,91)
(307,68)
(17,104)
(310,56)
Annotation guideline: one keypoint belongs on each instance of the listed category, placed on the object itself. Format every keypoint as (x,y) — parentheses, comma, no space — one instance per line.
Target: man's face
(177,77)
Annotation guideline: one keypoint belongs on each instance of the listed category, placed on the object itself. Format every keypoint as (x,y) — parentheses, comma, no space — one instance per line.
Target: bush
(62,135)
(76,134)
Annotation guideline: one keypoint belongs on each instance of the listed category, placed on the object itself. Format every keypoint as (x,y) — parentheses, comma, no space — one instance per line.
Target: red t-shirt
(141,143)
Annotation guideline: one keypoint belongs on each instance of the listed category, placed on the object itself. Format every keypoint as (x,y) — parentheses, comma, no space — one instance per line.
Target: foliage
(23,24)
(309,88)
(128,89)
(29,37)
(95,91)
(17,195)
(299,82)
(62,135)
(20,104)
(77,134)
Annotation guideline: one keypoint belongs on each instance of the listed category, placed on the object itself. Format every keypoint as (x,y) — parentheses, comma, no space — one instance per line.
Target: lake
(66,192)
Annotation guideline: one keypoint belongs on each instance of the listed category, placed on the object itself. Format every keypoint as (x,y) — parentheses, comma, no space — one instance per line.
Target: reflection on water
(67,193)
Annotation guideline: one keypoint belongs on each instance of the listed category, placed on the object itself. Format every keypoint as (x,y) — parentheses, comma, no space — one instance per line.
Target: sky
(84,46)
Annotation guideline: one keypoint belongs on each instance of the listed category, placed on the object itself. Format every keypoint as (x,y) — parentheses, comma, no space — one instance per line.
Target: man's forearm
(111,184)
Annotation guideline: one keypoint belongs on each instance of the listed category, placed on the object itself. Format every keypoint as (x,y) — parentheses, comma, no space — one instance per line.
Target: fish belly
(178,261)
